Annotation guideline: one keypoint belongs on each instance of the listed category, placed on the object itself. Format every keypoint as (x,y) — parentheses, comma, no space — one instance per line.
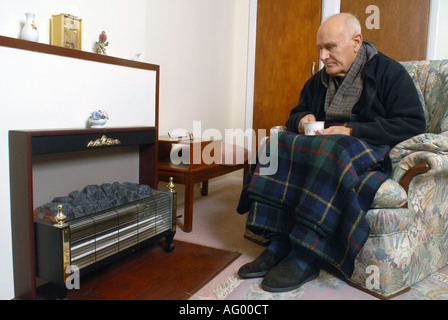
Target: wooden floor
(152,274)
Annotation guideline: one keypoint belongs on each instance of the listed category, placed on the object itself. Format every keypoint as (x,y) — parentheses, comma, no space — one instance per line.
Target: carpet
(330,287)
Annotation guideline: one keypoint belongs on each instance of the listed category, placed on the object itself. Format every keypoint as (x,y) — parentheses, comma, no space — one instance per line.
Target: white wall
(437,44)
(124,23)
(201,46)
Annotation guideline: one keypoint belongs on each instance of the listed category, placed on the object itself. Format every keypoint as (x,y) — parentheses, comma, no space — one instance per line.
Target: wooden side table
(193,172)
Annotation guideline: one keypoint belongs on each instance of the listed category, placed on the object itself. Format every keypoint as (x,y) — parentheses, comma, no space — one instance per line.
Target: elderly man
(312,209)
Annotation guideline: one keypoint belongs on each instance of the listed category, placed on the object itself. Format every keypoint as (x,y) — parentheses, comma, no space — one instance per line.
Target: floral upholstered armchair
(409,218)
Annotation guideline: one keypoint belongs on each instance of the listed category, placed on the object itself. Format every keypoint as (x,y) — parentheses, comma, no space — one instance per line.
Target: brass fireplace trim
(103,141)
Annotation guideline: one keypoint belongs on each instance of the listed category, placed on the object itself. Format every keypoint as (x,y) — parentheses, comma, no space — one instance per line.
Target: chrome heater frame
(92,241)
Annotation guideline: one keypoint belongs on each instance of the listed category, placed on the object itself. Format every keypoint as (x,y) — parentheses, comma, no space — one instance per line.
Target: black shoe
(288,275)
(259,267)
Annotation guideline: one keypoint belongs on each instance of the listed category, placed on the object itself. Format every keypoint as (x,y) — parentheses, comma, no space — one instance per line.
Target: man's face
(336,52)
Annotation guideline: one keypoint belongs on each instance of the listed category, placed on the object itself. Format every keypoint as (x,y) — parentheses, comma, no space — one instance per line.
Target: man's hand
(307,118)
(330,130)
(336,130)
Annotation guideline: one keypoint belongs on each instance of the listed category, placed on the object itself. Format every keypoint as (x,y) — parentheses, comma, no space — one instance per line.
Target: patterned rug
(329,287)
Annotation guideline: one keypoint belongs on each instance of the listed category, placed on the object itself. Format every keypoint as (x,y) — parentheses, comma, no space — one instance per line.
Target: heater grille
(101,235)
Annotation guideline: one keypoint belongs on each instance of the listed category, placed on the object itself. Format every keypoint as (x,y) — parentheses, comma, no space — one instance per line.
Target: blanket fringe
(227,287)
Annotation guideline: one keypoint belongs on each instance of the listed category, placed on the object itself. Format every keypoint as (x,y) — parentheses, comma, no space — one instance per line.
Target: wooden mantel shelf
(71,53)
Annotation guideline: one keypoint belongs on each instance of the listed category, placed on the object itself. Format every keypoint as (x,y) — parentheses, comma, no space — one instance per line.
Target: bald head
(349,23)
(339,39)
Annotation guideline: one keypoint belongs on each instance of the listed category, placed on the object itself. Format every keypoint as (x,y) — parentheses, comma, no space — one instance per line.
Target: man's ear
(357,42)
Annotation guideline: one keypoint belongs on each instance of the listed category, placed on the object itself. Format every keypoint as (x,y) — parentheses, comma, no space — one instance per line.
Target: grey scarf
(339,103)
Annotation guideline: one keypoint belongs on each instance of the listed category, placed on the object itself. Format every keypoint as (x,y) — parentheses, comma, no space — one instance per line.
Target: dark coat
(388,112)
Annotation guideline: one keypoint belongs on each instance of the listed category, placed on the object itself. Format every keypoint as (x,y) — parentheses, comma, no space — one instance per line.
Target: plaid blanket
(319,194)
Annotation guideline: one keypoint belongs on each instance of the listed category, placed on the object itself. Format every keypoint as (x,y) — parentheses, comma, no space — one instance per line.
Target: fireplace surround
(31,235)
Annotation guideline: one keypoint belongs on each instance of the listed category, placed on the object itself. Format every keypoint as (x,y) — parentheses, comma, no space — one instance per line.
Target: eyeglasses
(188,136)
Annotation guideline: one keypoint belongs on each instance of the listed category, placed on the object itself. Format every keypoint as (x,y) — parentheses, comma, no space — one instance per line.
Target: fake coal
(95,198)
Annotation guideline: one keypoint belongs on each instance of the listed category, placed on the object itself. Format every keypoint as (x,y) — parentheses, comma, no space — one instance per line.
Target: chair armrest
(393,193)
(423,154)
(420,168)
(416,156)
(415,164)
(430,142)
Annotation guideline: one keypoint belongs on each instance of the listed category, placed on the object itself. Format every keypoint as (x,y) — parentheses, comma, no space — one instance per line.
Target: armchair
(409,217)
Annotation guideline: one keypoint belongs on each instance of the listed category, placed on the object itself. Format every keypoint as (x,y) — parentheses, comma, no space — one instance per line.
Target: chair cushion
(386,222)
(390,195)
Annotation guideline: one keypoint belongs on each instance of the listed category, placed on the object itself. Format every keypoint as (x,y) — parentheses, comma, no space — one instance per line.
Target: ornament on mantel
(98,119)
(29,31)
(102,43)
(137,56)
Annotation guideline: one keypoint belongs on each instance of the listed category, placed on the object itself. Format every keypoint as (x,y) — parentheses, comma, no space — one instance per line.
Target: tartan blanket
(319,193)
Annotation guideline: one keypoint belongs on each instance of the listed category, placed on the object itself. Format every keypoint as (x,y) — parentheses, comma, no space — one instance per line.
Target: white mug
(311,128)
(277,129)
